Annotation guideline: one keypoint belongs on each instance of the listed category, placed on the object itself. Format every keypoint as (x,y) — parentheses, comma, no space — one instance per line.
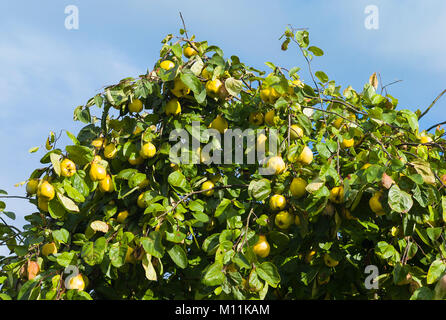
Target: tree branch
(184,25)
(435,125)
(432,104)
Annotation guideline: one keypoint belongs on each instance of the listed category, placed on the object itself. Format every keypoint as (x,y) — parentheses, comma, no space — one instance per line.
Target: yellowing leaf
(34,149)
(314,185)
(148,267)
(233,86)
(423,168)
(19,184)
(99,226)
(373,80)
(67,203)
(387,181)
(55,160)
(48,144)
(197,67)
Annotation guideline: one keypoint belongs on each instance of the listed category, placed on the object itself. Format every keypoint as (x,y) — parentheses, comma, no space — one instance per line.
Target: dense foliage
(359,185)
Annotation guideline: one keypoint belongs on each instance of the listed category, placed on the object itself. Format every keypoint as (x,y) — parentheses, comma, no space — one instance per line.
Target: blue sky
(47,70)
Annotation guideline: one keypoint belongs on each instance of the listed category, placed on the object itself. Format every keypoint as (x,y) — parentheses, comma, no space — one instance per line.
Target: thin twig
(348,105)
(389,84)
(439,179)
(335,113)
(382,145)
(246,230)
(184,25)
(436,125)
(381,83)
(11,227)
(432,104)
(289,127)
(337,160)
(14,197)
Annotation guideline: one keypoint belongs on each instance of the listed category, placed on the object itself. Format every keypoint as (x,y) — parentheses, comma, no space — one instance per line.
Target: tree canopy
(357,186)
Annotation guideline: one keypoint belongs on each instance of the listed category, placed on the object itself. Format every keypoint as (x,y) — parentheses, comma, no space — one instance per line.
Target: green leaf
(56,210)
(385,250)
(323,150)
(197,205)
(82,114)
(423,293)
(61,235)
(302,38)
(153,245)
(374,173)
(72,192)
(400,201)
(213,275)
(78,295)
(26,289)
(268,272)
(178,181)
(233,86)
(211,243)
(259,189)
(88,133)
(9,214)
(136,179)
(434,233)
(254,282)
(241,261)
(399,273)
(117,254)
(411,118)
(192,82)
(178,255)
(79,154)
(316,51)
(321,76)
(126,174)
(293,71)
(422,234)
(98,100)
(93,253)
(66,258)
(175,236)
(153,208)
(176,49)
(436,269)
(223,205)
(80,184)
(4,296)
(201,216)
